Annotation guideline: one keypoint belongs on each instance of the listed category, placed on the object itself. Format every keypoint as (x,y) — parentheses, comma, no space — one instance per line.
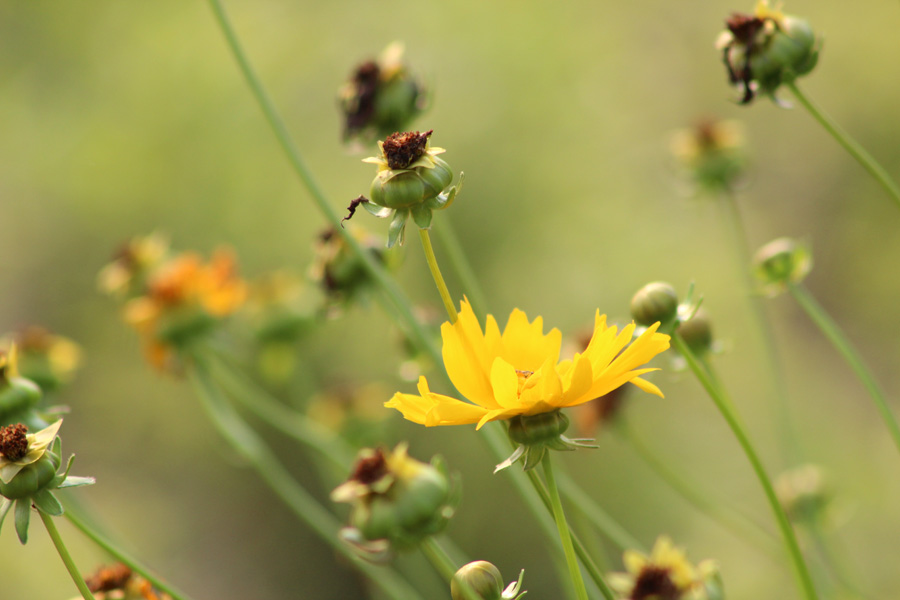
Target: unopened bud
(480,580)
(655,302)
(696,332)
(781,262)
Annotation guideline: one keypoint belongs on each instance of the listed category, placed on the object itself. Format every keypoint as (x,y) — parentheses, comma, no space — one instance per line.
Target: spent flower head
(517,376)
(28,473)
(411,181)
(803,492)
(125,275)
(339,271)
(47,359)
(666,574)
(711,154)
(118,582)
(766,49)
(397,501)
(381,97)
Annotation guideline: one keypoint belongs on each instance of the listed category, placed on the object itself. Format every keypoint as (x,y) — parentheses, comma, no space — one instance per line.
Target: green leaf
(397,228)
(422,216)
(76,481)
(23,516)
(47,503)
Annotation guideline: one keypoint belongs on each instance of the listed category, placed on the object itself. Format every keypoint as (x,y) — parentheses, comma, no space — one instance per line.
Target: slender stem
(404,314)
(65,556)
(790,538)
(833,562)
(461,265)
(436,274)
(849,144)
(290,422)
(831,331)
(123,557)
(743,527)
(372,267)
(788,436)
(246,442)
(563,528)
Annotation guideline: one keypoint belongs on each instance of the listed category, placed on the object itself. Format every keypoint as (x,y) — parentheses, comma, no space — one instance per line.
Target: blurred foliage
(121,118)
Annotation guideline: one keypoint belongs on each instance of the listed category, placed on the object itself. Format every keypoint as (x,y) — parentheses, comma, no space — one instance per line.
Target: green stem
(563,528)
(790,538)
(372,267)
(833,562)
(763,326)
(404,313)
(248,444)
(831,331)
(461,266)
(436,275)
(849,144)
(743,527)
(294,424)
(65,556)
(121,556)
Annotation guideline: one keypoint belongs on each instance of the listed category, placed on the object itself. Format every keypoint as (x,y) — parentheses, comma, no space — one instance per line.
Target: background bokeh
(121,118)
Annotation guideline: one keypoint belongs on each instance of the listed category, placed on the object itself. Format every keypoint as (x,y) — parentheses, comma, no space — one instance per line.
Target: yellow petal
(467,359)
(505,383)
(431,409)
(579,384)
(647,386)
(524,344)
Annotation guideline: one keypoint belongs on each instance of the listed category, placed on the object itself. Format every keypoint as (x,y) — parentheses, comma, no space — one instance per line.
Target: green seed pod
(655,302)
(780,262)
(18,395)
(481,577)
(435,179)
(397,190)
(32,477)
(697,333)
(530,430)
(419,500)
(376,518)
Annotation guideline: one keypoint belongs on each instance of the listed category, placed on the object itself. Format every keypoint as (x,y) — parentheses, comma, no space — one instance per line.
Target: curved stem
(564,535)
(436,274)
(249,445)
(461,265)
(741,526)
(123,557)
(788,436)
(375,270)
(790,538)
(65,556)
(849,144)
(831,331)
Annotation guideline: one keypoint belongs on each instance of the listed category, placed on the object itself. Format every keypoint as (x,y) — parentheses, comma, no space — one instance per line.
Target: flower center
(523,379)
(13,443)
(402,149)
(654,583)
(371,468)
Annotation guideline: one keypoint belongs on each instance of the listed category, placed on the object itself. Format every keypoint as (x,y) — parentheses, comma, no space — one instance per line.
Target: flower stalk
(831,331)
(848,143)
(436,275)
(65,556)
(734,423)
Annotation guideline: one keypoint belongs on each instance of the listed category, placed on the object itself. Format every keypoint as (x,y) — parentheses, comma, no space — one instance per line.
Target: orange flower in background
(184,296)
(518,372)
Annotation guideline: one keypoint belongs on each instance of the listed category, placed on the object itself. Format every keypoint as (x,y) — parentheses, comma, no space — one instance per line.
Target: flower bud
(654,302)
(766,49)
(46,359)
(697,332)
(711,154)
(480,580)
(780,262)
(381,97)
(803,492)
(397,501)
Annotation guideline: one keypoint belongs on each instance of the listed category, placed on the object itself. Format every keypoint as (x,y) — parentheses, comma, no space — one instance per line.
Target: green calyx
(535,434)
(780,262)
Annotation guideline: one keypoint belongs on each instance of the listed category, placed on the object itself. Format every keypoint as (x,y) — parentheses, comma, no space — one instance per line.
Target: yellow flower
(666,573)
(518,372)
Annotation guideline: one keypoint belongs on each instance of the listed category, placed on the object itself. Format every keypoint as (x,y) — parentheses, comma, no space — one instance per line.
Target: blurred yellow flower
(519,372)
(666,573)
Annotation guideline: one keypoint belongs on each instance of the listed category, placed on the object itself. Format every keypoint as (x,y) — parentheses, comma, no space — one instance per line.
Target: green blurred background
(120,118)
